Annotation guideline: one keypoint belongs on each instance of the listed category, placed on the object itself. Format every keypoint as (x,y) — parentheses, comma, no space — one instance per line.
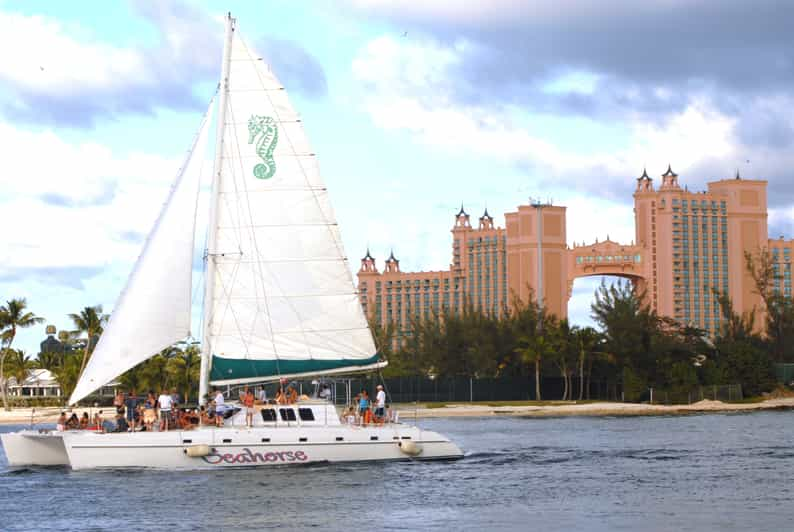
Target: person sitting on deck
(248,402)
(325,393)
(62,419)
(73,423)
(97,421)
(121,424)
(261,396)
(281,397)
(84,421)
(292,395)
(184,421)
(204,417)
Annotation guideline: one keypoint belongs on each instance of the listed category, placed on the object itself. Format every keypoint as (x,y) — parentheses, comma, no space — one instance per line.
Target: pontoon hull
(259,446)
(34,448)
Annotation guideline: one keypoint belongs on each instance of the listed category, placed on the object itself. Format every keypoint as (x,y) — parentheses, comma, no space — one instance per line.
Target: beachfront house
(38,383)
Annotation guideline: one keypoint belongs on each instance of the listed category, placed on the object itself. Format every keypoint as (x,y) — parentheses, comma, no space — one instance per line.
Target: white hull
(255,447)
(306,433)
(32,447)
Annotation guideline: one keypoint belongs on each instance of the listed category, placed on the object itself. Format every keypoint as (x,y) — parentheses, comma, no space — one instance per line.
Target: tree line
(174,367)
(632,348)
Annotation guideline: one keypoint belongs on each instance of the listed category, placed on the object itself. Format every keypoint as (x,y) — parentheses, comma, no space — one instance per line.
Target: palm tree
(48,360)
(90,321)
(183,369)
(586,340)
(13,316)
(18,364)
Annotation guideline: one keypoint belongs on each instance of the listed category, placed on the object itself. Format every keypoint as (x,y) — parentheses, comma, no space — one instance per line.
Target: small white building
(38,383)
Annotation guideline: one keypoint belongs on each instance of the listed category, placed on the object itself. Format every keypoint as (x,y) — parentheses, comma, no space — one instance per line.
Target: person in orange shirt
(248,402)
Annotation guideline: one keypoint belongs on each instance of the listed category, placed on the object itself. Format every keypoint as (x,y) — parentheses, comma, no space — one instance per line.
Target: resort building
(687,245)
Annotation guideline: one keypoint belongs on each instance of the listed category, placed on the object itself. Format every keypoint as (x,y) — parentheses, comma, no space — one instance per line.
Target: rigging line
(255,65)
(232,148)
(337,241)
(232,312)
(252,235)
(213,309)
(180,173)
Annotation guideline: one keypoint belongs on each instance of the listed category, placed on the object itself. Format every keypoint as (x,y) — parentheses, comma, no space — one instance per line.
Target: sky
(412,107)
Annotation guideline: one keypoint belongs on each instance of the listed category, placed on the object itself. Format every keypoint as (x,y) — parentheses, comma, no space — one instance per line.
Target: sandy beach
(590,409)
(23,416)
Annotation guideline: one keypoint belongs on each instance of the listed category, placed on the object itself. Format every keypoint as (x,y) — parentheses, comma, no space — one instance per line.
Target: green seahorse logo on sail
(262,129)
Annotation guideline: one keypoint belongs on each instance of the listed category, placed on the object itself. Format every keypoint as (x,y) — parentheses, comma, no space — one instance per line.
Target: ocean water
(699,472)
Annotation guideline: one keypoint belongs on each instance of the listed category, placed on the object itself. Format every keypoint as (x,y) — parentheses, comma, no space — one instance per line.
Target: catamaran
(278,303)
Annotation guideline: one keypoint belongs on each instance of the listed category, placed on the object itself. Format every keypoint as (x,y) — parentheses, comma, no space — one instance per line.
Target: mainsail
(153,311)
(280,298)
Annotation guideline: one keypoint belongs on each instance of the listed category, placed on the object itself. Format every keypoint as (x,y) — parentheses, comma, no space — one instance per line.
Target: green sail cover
(224,369)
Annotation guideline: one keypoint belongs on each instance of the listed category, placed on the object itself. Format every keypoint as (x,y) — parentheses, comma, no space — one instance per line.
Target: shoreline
(22,416)
(597,409)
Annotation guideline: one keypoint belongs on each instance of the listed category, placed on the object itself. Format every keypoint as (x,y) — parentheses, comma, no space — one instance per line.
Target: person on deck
(292,395)
(97,421)
(149,411)
(281,397)
(204,416)
(61,426)
(248,402)
(220,408)
(165,403)
(363,407)
(121,423)
(131,404)
(261,396)
(84,421)
(380,405)
(73,423)
(325,393)
(118,401)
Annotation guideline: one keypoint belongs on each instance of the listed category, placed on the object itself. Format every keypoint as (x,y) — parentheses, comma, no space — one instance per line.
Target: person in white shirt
(165,402)
(380,404)
(220,408)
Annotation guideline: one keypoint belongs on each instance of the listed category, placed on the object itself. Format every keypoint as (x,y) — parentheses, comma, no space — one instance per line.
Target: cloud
(69,276)
(659,43)
(75,209)
(58,79)
(297,69)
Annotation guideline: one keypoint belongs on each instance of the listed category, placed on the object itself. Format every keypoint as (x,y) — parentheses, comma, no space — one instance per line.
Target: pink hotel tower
(686,244)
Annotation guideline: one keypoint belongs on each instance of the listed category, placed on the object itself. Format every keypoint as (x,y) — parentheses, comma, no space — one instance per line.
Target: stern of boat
(34,448)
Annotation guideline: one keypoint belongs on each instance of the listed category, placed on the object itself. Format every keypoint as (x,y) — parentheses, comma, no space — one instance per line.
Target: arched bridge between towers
(607,258)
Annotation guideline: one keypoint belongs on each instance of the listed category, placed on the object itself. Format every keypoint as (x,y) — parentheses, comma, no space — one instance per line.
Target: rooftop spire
(368,256)
(462,212)
(737,174)
(669,172)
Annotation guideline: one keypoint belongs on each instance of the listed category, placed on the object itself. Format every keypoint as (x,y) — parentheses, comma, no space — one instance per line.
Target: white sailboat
(279,302)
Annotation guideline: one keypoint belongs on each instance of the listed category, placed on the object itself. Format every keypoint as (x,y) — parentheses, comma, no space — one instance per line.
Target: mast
(209,278)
